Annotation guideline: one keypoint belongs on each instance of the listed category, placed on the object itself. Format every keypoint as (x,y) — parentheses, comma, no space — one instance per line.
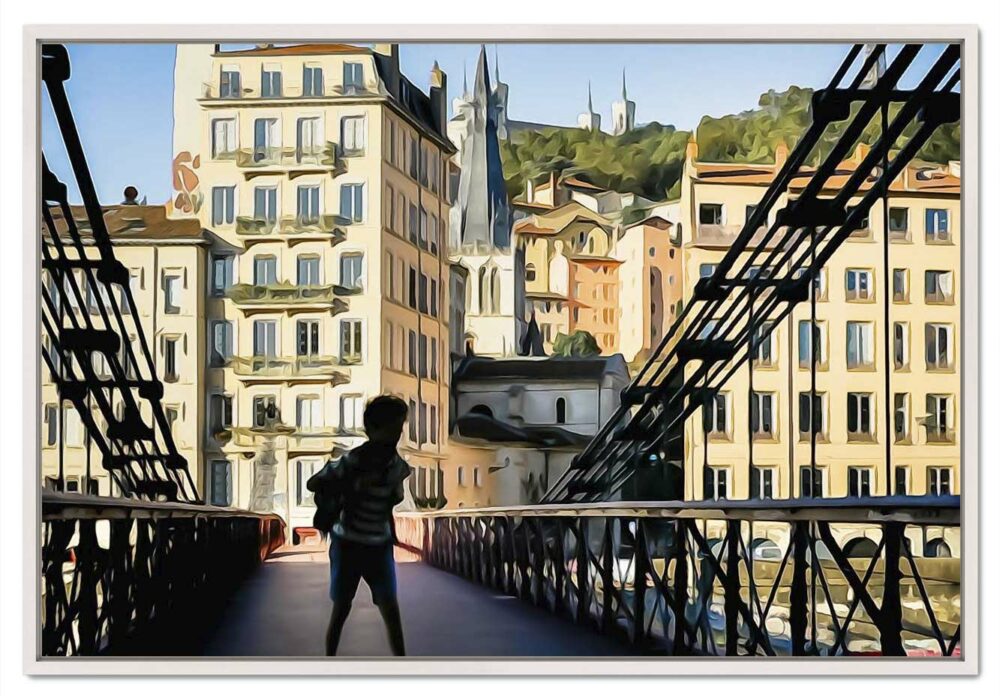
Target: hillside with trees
(648,160)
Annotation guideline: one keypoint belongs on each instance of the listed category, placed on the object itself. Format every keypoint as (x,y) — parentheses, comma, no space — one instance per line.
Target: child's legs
(380,575)
(345,574)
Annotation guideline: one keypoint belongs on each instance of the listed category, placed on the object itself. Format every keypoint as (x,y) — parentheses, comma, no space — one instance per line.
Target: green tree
(579,344)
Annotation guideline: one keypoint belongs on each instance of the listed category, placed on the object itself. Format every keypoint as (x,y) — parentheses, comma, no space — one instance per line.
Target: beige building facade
(850,416)
(320,172)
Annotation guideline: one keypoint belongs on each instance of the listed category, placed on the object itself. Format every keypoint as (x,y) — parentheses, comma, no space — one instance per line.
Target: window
(304,470)
(266,139)
(938,480)
(51,424)
(900,285)
(901,417)
(229,82)
(351,271)
(307,337)
(423,293)
(270,81)
(220,416)
(312,81)
(412,297)
(170,359)
(763,343)
(412,420)
(715,415)
(901,345)
(936,225)
(307,205)
(222,483)
(308,412)
(265,410)
(710,214)
(411,345)
(814,343)
(354,78)
(350,340)
(352,135)
(560,410)
(172,294)
(414,224)
(477,477)
(859,345)
(223,138)
(937,341)
(265,338)
(859,416)
(863,223)
(810,486)
(899,223)
(222,274)
(859,285)
(461,475)
(761,483)
(307,270)
(172,415)
(939,418)
(938,287)
(859,481)
(352,408)
(222,342)
(433,426)
(707,269)
(716,483)
(308,138)
(762,414)
(434,358)
(265,270)
(265,204)
(352,202)
(901,477)
(422,354)
(811,418)
(750,210)
(422,426)
(72,427)
(434,297)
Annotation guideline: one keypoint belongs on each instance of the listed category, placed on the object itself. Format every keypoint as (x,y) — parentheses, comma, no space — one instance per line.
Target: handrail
(64,506)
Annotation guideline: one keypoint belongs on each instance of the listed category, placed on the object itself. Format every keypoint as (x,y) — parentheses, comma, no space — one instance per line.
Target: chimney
(439,98)
(780,154)
(691,151)
(390,54)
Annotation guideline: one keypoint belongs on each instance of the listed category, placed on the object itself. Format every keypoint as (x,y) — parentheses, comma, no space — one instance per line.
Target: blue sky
(122,94)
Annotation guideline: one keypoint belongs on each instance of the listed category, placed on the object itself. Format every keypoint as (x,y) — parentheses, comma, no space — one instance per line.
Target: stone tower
(622,112)
(589,120)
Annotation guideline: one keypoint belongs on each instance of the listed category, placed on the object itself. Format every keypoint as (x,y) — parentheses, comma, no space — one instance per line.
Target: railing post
(607,577)
(732,590)
(87,568)
(798,597)
(582,570)
(680,646)
(538,567)
(559,564)
(890,619)
(639,584)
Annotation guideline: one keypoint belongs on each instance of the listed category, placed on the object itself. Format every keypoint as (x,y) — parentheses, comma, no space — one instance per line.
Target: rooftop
(539,369)
(134,222)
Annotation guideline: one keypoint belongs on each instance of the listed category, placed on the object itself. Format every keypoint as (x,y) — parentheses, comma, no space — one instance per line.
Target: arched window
(529,272)
(937,548)
(560,410)
(495,290)
(590,245)
(861,547)
(484,291)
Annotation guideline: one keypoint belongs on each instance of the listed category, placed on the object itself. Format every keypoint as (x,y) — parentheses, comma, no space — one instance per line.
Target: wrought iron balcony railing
(298,367)
(287,295)
(291,228)
(769,578)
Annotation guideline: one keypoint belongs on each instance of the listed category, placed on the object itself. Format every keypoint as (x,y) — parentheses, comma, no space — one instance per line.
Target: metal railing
(697,578)
(118,574)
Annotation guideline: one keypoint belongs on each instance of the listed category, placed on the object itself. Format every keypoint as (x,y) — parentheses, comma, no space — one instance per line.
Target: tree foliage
(648,160)
(579,344)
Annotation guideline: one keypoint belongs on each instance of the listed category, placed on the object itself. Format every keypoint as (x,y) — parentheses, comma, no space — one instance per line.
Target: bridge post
(679,608)
(582,571)
(639,584)
(607,577)
(732,590)
(890,618)
(798,596)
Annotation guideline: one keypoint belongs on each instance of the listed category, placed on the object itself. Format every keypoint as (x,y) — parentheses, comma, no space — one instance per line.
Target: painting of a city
(501,350)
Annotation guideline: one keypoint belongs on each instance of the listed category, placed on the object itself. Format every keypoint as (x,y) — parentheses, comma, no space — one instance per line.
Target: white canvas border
(967,34)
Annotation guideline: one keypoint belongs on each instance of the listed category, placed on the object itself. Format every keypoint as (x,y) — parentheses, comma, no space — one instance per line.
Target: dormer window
(312,81)
(229,82)
(354,78)
(270,81)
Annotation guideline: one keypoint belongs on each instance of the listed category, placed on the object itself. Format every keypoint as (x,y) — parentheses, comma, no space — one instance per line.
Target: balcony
(723,236)
(211,91)
(321,439)
(286,297)
(294,161)
(292,229)
(264,368)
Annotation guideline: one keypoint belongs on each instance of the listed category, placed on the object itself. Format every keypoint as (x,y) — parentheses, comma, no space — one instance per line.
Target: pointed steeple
(624,90)
(590,99)
(481,87)
(496,63)
(465,80)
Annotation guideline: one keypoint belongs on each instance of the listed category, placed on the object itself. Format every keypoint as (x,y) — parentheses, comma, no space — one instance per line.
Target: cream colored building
(925,345)
(166,260)
(322,174)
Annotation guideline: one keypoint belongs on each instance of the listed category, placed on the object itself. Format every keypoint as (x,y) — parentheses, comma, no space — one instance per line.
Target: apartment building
(166,260)
(758,439)
(321,173)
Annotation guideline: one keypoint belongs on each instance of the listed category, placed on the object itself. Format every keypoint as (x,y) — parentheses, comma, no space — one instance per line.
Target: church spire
(590,99)
(465,80)
(624,90)
(496,62)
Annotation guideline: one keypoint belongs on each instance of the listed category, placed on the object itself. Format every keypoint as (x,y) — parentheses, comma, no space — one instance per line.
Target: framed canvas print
(560,350)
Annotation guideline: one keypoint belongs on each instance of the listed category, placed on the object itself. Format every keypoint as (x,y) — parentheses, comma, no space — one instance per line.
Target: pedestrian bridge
(762,578)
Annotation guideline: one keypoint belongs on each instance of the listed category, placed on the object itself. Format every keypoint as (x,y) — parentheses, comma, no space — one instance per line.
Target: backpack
(329,486)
